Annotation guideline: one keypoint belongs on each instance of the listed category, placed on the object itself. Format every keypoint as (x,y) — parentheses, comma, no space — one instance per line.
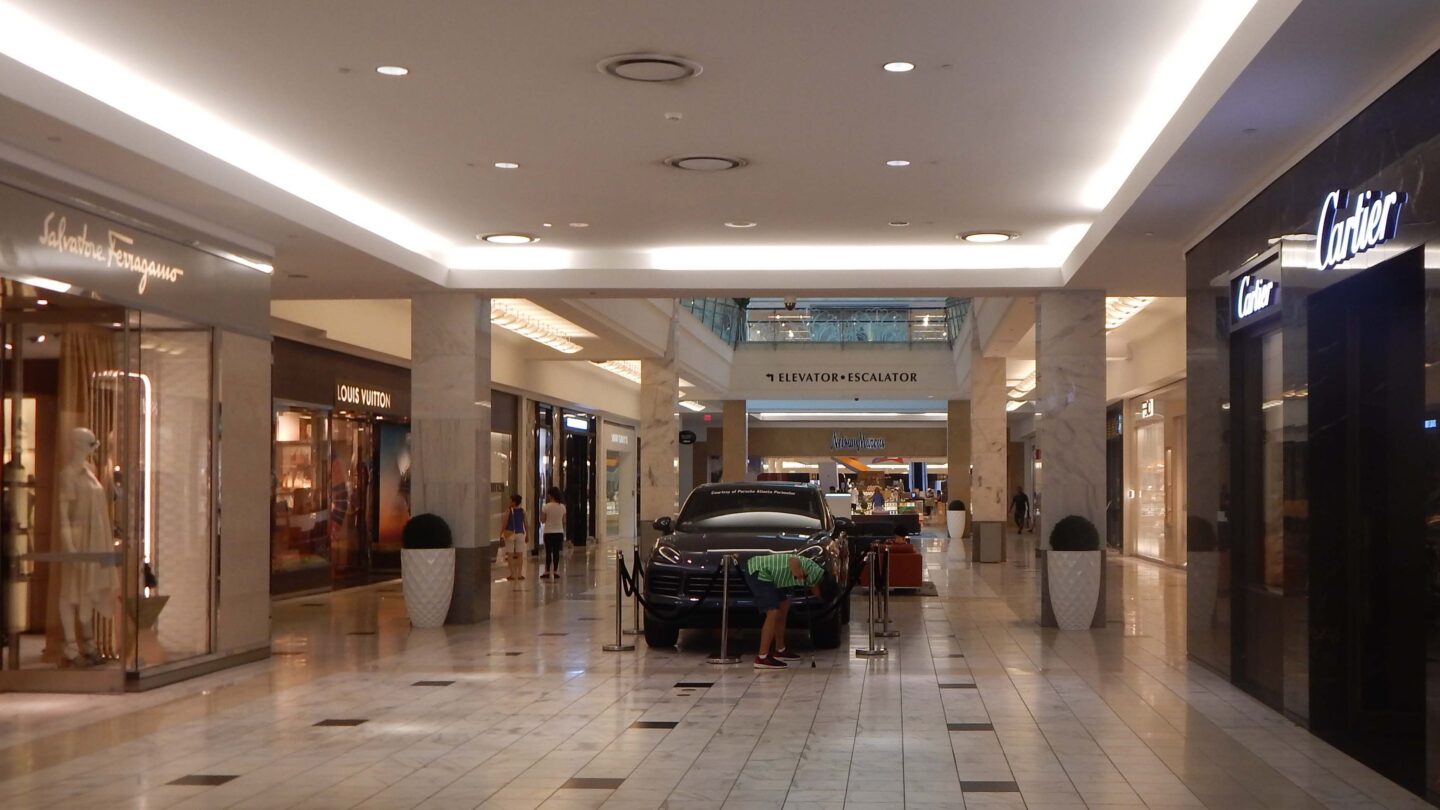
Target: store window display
(1155,475)
(108,518)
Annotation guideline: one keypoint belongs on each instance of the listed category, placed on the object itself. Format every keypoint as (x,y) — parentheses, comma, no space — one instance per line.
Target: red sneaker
(769,663)
(785,655)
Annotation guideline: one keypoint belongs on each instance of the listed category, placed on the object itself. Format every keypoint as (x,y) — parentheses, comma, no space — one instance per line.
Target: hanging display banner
(61,248)
(1374,221)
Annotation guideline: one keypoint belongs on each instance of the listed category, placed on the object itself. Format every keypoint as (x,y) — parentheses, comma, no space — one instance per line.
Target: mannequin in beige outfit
(87,585)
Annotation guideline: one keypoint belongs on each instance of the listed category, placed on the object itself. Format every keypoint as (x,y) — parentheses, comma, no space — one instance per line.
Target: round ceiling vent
(705,163)
(649,67)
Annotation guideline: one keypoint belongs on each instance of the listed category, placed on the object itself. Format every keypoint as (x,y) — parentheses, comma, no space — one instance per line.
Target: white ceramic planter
(955,523)
(428,578)
(1074,582)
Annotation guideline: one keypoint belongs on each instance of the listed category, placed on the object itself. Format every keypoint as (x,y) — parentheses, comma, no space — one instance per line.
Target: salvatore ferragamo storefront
(135,379)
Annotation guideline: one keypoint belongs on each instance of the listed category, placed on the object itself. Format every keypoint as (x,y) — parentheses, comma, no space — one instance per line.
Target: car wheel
(826,634)
(659,633)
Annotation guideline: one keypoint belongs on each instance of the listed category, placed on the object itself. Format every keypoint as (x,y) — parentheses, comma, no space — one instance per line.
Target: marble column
(450,435)
(829,475)
(659,437)
(1070,406)
(988,439)
(735,442)
(957,455)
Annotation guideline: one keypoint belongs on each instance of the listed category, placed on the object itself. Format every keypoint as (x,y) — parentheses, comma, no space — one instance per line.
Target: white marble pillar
(957,455)
(450,435)
(829,475)
(659,437)
(735,440)
(1070,402)
(988,439)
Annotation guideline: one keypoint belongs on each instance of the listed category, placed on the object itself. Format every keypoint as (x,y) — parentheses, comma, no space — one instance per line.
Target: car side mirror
(664,525)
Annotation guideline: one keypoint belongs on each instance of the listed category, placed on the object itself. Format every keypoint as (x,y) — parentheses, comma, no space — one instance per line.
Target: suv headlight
(668,553)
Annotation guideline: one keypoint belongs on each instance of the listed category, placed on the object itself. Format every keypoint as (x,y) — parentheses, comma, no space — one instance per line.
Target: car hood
(718,542)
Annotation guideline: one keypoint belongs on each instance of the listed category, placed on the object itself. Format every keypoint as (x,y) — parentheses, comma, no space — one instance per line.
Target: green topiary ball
(1074,533)
(426,531)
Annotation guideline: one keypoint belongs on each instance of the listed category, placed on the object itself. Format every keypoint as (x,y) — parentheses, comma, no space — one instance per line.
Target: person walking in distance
(1020,509)
(512,533)
(768,576)
(552,528)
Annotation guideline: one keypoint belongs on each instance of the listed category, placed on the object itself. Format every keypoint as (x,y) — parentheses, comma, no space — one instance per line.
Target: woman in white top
(552,529)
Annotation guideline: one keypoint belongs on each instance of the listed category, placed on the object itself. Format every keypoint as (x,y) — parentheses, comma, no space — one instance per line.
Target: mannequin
(86,586)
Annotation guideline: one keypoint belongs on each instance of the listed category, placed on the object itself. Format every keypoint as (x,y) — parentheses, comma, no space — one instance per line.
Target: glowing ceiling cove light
(692,404)
(509,314)
(629,369)
(47,50)
(856,257)
(1119,310)
(1170,84)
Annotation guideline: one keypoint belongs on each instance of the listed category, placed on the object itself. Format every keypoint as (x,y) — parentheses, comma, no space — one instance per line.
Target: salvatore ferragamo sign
(128,263)
(117,250)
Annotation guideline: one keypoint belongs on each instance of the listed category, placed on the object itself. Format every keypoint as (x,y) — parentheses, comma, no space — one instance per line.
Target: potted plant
(427,569)
(955,519)
(1073,567)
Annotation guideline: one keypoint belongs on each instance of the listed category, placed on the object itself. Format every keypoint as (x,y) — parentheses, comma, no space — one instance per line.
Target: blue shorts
(767,594)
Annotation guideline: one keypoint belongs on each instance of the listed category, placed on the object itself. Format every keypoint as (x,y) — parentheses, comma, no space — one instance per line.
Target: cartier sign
(1254,296)
(1373,221)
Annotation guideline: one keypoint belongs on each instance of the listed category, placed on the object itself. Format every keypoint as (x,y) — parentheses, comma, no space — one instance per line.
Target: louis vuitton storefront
(135,380)
(1314,461)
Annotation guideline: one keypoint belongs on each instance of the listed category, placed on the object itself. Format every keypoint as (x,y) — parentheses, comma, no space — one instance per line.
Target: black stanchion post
(724,657)
(620,644)
(872,651)
(634,628)
(885,630)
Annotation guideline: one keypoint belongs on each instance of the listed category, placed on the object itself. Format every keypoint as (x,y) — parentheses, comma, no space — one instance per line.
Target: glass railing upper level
(835,325)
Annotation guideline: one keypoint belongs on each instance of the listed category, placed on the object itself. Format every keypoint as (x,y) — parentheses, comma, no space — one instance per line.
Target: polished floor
(975,706)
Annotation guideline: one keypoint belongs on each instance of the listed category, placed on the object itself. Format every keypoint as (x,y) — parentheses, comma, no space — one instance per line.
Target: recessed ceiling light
(392,70)
(740,224)
(899,67)
(897,163)
(649,67)
(705,163)
(579,224)
(899,223)
(507,238)
(986,237)
(41,302)
(505,164)
(546,225)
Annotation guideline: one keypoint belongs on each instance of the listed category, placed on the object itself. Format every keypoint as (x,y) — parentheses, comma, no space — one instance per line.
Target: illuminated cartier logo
(115,252)
(1252,295)
(1374,221)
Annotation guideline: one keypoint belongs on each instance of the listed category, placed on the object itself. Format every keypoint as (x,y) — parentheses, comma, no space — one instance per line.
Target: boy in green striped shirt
(766,575)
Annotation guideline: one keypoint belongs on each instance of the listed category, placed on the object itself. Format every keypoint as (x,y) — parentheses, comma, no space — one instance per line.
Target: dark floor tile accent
(342,722)
(589,618)
(312,604)
(432,683)
(694,684)
(970,726)
(953,655)
(507,652)
(287,652)
(958,686)
(989,787)
(592,784)
(554,634)
(202,779)
(361,633)
(653,724)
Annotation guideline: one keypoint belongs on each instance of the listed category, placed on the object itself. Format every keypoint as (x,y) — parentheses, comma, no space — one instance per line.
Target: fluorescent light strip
(1170,84)
(858,257)
(1024,387)
(629,369)
(522,323)
(692,405)
(1120,310)
(36,45)
(534,312)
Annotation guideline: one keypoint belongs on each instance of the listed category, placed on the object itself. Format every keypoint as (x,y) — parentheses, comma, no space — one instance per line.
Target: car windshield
(744,507)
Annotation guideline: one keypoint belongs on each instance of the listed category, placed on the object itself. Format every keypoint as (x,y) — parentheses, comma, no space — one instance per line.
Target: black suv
(682,587)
